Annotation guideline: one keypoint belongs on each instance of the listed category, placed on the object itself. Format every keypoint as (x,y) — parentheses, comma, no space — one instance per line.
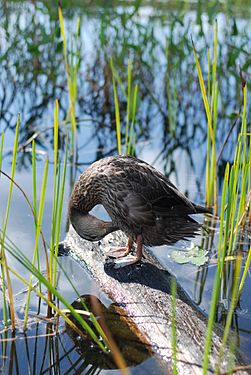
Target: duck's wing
(151,195)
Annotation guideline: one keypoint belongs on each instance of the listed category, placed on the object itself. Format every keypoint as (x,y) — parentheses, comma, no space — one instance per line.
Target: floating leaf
(194,255)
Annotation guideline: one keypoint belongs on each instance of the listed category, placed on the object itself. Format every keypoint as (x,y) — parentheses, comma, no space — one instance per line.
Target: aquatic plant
(8,302)
(131,107)
(72,63)
(235,203)
(210,100)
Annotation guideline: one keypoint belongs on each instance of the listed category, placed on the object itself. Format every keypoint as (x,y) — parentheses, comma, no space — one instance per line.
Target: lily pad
(195,255)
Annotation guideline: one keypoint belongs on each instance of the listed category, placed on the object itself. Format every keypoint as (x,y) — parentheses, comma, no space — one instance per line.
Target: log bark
(143,293)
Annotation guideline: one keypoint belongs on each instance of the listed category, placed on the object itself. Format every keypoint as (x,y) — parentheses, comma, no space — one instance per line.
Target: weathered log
(143,293)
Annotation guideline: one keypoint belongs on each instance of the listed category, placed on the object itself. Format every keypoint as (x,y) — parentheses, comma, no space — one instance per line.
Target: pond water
(174,141)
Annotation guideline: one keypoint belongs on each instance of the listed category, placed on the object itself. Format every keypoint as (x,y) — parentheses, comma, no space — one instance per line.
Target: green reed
(22,259)
(130,94)
(171,93)
(34,181)
(173,326)
(33,266)
(36,246)
(233,304)
(216,285)
(210,100)
(1,150)
(8,303)
(58,197)
(235,200)
(72,63)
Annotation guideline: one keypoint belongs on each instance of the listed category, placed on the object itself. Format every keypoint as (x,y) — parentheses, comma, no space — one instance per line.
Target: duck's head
(88,226)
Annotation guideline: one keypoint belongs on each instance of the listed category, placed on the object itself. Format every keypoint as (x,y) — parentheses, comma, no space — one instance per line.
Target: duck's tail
(202,210)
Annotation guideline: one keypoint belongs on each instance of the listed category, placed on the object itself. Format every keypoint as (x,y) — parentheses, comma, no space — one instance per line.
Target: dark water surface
(32,76)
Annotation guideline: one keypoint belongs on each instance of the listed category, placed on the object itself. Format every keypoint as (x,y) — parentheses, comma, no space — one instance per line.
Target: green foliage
(4,265)
(130,95)
(210,100)
(72,63)
(194,255)
(173,327)
(235,200)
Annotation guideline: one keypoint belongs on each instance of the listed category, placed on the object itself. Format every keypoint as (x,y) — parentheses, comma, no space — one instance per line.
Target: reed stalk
(4,264)
(34,181)
(59,212)
(171,94)
(131,95)
(173,327)
(22,259)
(1,149)
(217,279)
(117,114)
(72,63)
(233,304)
(210,100)
(36,250)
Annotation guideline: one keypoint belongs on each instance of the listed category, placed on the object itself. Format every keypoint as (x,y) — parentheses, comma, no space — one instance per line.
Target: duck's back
(141,200)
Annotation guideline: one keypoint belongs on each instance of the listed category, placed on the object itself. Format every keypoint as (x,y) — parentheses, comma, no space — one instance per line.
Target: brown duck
(141,202)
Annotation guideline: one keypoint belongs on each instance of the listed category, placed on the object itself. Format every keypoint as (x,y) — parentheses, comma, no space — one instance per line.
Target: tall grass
(1,149)
(235,201)
(171,93)
(22,259)
(72,63)
(173,326)
(130,95)
(32,266)
(58,197)
(8,302)
(36,246)
(210,100)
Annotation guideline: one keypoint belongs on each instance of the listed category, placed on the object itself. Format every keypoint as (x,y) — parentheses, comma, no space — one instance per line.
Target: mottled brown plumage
(141,202)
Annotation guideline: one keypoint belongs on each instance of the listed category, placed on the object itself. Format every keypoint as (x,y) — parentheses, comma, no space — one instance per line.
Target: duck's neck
(88,226)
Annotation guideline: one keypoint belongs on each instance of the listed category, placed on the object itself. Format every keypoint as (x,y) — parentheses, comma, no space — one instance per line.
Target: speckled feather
(138,198)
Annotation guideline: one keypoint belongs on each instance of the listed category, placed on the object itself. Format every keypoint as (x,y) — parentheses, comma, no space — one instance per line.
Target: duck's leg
(131,259)
(119,252)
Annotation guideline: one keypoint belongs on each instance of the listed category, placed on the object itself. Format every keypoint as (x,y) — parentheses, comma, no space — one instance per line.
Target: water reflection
(170,125)
(127,337)
(159,45)
(41,350)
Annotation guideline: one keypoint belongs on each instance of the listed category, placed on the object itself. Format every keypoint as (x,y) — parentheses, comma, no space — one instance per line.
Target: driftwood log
(143,293)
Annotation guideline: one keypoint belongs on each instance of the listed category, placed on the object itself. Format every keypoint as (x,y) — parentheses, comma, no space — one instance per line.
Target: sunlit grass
(130,94)
(8,301)
(173,326)
(23,260)
(210,100)
(171,93)
(1,149)
(235,201)
(44,281)
(72,63)
(36,248)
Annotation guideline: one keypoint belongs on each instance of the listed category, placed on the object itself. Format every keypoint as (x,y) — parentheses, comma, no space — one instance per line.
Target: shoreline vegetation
(230,198)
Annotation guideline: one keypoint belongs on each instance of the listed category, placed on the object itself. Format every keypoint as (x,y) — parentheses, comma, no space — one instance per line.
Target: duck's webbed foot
(119,252)
(131,259)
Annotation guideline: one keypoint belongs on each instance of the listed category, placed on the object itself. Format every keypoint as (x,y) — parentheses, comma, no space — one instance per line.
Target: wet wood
(143,293)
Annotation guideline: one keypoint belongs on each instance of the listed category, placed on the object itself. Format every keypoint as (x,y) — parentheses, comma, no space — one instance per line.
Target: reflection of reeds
(235,205)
